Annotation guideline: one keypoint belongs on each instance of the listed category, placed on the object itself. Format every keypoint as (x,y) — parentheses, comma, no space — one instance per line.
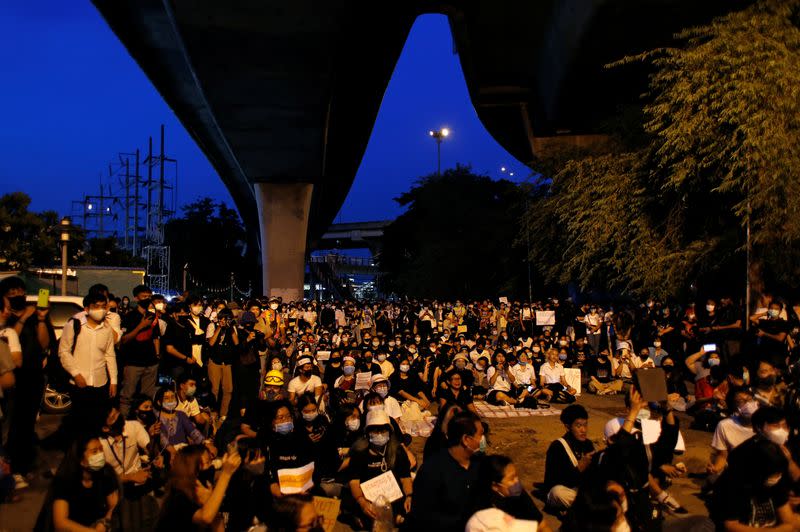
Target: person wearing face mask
(405,385)
(657,352)
(305,381)
(677,392)
(601,376)
(85,491)
(387,368)
(380,385)
(314,429)
(187,402)
(768,389)
(700,365)
(594,328)
(345,431)
(382,453)
(501,488)
(446,486)
(140,348)
(177,429)
(731,431)
(223,346)
(769,423)
(333,370)
(552,379)
(86,352)
(284,444)
(346,380)
(771,329)
(753,494)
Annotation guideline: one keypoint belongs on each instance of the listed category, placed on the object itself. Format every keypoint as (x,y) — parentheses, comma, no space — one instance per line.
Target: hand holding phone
(44,299)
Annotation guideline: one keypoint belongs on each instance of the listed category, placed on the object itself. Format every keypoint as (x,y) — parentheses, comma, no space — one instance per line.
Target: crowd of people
(202,414)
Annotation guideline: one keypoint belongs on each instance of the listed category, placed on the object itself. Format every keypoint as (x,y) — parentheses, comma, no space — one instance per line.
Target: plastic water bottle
(384,520)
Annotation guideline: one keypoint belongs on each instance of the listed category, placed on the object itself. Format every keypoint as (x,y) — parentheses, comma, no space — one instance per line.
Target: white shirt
(93,356)
(524,375)
(113,319)
(123,454)
(626,369)
(729,434)
(299,387)
(189,407)
(391,405)
(386,368)
(501,384)
(551,374)
(12,338)
(593,320)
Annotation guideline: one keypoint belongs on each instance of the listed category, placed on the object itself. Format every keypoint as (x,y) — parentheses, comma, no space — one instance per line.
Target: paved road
(524,439)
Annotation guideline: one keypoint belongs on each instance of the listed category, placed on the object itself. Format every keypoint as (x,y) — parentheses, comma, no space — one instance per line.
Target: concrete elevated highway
(282,96)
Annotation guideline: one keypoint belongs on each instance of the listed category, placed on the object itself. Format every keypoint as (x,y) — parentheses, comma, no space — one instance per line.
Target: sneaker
(20,482)
(671,504)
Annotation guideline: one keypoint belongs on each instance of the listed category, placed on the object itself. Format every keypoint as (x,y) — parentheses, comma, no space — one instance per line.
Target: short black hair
(141,289)
(767,415)
(103,289)
(573,413)
(92,298)
(462,424)
(11,283)
(185,377)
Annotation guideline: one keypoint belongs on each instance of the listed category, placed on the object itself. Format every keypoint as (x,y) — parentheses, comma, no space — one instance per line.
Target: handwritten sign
(504,300)
(385,485)
(296,480)
(329,510)
(362,380)
(545,317)
(323,355)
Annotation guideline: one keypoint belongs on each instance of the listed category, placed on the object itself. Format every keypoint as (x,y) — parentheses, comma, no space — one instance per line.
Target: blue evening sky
(74,98)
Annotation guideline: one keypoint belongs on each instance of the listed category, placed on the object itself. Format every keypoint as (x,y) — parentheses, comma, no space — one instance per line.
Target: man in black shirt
(140,349)
(446,486)
(567,458)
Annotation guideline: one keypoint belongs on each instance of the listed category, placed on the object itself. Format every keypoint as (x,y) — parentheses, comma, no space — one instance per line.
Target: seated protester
(456,394)
(567,458)
(481,383)
(500,487)
(731,431)
(538,355)
(187,403)
(333,370)
(177,430)
(501,382)
(380,385)
(192,504)
(284,445)
(445,488)
(524,374)
(407,386)
(735,376)
(708,411)
(582,352)
(460,364)
(678,396)
(645,361)
(85,489)
(272,390)
(657,352)
(142,411)
(314,428)
(346,429)
(601,502)
(305,381)
(769,423)
(294,512)
(368,364)
(622,366)
(553,381)
(438,438)
(601,376)
(767,386)
(387,368)
(700,365)
(382,454)
(347,379)
(754,493)
(277,362)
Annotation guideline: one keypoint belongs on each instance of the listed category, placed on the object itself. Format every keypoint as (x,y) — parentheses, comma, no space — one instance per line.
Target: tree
(721,150)
(454,239)
(211,238)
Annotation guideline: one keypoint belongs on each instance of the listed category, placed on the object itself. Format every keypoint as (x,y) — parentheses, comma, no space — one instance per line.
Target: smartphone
(44,298)
(530,389)
(708,348)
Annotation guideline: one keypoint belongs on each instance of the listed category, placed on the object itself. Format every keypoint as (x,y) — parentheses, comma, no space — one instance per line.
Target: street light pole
(439,135)
(65,228)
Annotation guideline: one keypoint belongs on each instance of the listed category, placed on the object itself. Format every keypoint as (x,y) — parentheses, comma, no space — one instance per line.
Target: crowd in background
(186,412)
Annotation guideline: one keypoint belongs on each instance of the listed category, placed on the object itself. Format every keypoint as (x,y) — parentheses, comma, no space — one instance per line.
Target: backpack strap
(76,327)
(568,449)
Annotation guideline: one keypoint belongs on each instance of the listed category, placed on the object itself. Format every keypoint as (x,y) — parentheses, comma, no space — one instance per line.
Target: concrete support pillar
(283,218)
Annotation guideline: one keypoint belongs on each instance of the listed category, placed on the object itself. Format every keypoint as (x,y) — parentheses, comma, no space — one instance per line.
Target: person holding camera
(223,340)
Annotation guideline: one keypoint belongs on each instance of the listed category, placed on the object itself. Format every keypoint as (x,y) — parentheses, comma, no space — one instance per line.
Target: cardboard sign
(323,355)
(296,480)
(363,380)
(652,384)
(328,508)
(385,485)
(545,317)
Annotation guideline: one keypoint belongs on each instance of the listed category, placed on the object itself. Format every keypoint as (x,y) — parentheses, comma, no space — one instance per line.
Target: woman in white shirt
(502,389)
(553,381)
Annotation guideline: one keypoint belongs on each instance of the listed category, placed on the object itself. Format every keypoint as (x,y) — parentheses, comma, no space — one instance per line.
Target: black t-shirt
(558,469)
(366,463)
(32,353)
(86,505)
(601,370)
(772,349)
(141,351)
(463,399)
(176,513)
(287,451)
(177,336)
(412,385)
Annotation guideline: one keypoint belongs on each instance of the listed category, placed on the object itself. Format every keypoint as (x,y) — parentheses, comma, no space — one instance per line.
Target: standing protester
(140,348)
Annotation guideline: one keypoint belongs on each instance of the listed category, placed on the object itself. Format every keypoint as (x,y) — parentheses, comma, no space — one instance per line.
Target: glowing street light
(439,135)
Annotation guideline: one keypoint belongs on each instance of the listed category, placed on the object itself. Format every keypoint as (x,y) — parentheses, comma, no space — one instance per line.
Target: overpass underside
(282,96)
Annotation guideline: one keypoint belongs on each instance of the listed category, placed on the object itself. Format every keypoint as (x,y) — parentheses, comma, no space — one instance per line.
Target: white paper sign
(504,300)
(296,480)
(323,355)
(573,378)
(363,380)
(545,317)
(385,485)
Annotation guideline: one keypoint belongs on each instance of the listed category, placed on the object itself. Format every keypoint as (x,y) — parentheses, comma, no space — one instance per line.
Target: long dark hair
(287,512)
(185,470)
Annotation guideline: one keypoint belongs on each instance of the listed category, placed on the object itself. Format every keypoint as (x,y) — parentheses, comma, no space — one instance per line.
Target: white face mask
(777,436)
(159,307)
(710,308)
(97,314)
(273,306)
(96,461)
